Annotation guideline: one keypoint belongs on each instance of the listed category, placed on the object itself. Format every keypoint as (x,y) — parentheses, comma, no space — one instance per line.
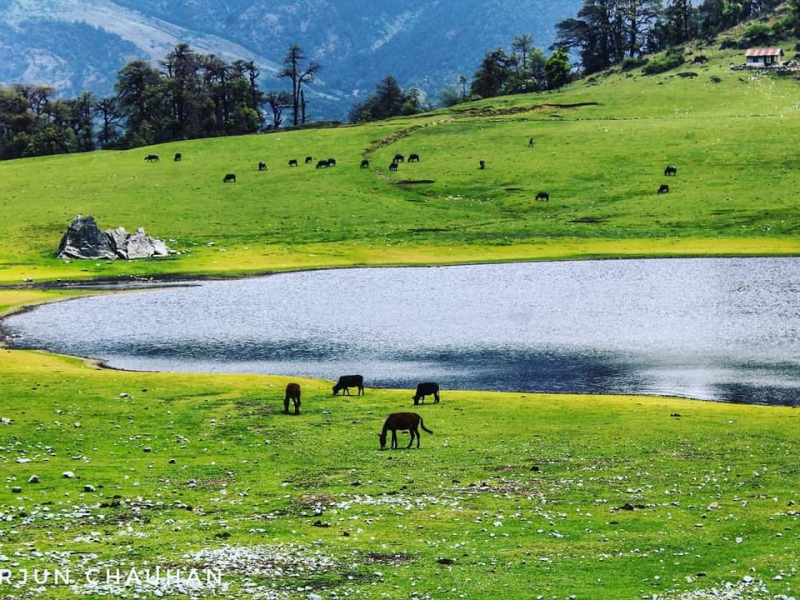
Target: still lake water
(714,329)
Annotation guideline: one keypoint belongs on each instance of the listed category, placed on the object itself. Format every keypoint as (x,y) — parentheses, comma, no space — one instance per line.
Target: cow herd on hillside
(544,196)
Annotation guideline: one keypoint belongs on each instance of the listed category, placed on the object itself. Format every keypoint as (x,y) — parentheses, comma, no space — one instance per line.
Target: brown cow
(293,394)
(404,422)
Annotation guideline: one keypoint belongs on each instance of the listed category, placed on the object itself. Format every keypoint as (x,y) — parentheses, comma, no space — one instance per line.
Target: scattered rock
(33,479)
(16,490)
(446,561)
(68,475)
(89,488)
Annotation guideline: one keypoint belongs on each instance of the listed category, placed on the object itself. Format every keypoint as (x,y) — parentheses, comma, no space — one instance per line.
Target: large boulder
(84,240)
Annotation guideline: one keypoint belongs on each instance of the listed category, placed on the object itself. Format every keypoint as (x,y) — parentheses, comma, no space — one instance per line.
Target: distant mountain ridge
(80,44)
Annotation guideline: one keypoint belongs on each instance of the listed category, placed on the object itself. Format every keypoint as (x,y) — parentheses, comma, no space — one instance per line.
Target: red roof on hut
(755,52)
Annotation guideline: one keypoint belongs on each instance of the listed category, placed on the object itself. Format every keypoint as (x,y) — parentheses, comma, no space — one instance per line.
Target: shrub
(756,35)
(672,59)
(728,45)
(633,63)
(716,79)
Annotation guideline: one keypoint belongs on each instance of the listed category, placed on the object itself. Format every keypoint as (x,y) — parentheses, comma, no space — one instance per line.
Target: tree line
(606,33)
(523,68)
(188,95)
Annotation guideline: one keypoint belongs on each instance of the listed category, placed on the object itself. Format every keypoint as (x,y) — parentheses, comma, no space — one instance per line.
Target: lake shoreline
(389,382)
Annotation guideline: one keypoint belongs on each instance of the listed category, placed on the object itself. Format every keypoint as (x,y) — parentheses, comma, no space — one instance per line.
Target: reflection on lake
(717,329)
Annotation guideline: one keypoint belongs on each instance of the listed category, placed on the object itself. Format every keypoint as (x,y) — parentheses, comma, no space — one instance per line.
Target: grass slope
(698,483)
(734,143)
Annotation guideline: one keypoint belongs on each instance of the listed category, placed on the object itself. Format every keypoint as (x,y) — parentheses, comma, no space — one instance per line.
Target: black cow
(670,171)
(323,164)
(178,157)
(331,162)
(483,165)
(543,196)
(292,163)
(262,166)
(152,158)
(229,178)
(349,381)
(309,160)
(413,158)
(427,389)
(664,189)
(365,164)
(394,166)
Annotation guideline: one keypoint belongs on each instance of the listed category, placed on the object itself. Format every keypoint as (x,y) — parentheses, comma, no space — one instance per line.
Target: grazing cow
(229,178)
(483,165)
(262,166)
(292,163)
(309,160)
(399,158)
(394,166)
(365,164)
(543,196)
(413,158)
(426,389)
(664,189)
(152,158)
(178,157)
(402,422)
(670,171)
(331,162)
(349,381)
(293,394)
(323,164)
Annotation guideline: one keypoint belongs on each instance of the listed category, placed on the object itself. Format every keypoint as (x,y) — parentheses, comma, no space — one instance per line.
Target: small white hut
(764,57)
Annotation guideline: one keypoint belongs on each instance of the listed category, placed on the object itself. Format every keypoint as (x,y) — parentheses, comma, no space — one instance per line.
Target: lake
(711,329)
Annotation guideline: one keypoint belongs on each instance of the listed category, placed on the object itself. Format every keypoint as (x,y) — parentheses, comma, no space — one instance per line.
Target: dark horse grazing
(293,394)
(426,389)
(293,163)
(399,158)
(670,171)
(178,157)
(323,164)
(331,162)
(365,164)
(152,158)
(229,178)
(349,381)
(403,422)
(413,158)
(262,166)
(483,165)
(544,196)
(394,166)
(309,160)
(664,189)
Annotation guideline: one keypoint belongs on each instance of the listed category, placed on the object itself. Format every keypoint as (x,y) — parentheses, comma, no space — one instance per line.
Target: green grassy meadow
(514,496)
(734,142)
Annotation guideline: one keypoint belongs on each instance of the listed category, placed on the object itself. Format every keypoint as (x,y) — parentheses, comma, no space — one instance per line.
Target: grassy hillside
(526,495)
(732,135)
